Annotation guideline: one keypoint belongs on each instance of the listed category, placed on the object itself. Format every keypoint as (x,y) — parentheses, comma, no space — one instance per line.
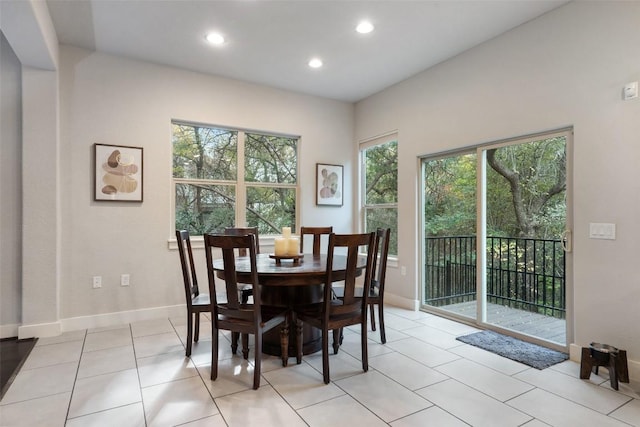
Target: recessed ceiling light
(315,63)
(364,27)
(215,38)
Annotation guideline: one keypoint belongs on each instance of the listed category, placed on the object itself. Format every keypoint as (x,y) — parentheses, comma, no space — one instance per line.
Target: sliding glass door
(494,240)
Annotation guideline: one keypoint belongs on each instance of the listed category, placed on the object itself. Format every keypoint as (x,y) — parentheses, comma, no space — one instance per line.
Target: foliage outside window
(225,178)
(380,189)
(526,190)
(524,206)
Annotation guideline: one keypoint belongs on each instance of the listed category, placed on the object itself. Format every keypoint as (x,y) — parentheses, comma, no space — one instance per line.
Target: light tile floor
(137,375)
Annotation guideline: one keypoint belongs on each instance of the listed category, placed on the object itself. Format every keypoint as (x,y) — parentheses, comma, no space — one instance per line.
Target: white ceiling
(270,42)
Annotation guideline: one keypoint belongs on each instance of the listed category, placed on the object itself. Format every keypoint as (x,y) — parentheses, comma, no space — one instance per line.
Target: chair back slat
(243,231)
(230,281)
(317,233)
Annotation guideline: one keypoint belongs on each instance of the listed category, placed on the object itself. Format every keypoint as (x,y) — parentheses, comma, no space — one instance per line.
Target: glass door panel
(524,221)
(449,231)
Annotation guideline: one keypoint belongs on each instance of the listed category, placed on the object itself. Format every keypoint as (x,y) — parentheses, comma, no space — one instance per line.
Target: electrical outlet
(97,282)
(403,271)
(124,280)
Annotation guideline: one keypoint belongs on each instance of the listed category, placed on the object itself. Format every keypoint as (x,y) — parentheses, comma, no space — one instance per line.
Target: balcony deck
(534,324)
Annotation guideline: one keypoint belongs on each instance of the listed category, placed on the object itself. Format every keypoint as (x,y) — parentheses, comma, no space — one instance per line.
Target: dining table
(290,283)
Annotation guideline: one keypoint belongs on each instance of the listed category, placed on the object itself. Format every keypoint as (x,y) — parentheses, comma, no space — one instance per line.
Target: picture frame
(329,184)
(118,173)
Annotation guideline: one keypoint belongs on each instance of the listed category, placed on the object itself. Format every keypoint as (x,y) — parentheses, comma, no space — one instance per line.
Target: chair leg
(363,341)
(234,342)
(284,344)
(189,333)
(257,358)
(298,326)
(325,355)
(196,333)
(245,346)
(214,355)
(383,335)
(373,318)
(336,340)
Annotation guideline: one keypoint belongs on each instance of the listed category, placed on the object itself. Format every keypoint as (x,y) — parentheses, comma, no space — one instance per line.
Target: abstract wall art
(118,173)
(329,185)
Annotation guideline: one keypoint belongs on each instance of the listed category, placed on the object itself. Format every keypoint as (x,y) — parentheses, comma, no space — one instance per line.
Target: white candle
(293,246)
(286,232)
(280,246)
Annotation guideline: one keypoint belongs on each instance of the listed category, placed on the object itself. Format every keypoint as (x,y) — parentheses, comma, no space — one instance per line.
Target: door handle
(566,241)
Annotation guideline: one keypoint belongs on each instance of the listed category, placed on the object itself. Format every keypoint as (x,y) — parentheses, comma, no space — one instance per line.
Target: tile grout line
(75,378)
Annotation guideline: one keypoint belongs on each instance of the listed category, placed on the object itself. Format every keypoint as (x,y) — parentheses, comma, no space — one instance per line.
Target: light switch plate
(630,91)
(598,230)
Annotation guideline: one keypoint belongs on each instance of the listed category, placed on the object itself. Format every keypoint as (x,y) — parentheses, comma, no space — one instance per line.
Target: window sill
(197,242)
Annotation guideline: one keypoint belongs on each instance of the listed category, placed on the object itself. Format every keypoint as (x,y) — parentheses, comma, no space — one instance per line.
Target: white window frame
(239,184)
(392,259)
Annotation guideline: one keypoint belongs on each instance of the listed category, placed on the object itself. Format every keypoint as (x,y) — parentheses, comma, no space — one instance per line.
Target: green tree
(381,190)
(203,153)
(526,186)
(450,196)
(205,164)
(534,180)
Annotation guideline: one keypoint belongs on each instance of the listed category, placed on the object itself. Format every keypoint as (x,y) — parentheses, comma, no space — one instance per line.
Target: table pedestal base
(312,341)
(290,296)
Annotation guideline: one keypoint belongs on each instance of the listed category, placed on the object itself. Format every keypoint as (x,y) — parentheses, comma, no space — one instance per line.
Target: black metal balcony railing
(523,273)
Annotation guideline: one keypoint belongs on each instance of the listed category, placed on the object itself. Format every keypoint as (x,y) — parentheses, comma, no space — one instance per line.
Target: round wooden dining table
(290,283)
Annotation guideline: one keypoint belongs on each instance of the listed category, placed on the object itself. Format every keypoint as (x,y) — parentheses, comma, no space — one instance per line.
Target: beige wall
(10,191)
(112,100)
(566,68)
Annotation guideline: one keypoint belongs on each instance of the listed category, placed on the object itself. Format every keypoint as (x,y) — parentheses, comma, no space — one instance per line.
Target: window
(379,190)
(225,178)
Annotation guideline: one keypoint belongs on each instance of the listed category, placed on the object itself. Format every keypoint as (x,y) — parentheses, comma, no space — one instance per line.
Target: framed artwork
(329,185)
(118,173)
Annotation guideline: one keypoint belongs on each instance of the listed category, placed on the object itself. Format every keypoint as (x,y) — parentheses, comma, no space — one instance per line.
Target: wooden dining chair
(232,314)
(245,291)
(376,294)
(317,233)
(376,291)
(334,314)
(196,303)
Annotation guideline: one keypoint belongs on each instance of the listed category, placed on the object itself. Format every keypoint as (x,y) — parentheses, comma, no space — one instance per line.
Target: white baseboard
(8,331)
(575,354)
(398,301)
(40,330)
(53,329)
(121,317)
